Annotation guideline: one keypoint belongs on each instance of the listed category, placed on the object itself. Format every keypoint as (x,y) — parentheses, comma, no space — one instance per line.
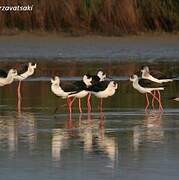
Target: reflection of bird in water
(8,133)
(59,142)
(27,129)
(151,130)
(95,140)
(92,136)
(153,123)
(146,87)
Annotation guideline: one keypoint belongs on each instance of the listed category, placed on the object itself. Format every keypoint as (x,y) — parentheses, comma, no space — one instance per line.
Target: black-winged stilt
(23,73)
(99,77)
(155,76)
(67,90)
(7,78)
(103,89)
(146,87)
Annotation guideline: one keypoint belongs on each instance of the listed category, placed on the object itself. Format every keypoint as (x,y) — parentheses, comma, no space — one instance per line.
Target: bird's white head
(101,75)
(55,80)
(87,81)
(12,72)
(133,78)
(113,85)
(145,69)
(32,65)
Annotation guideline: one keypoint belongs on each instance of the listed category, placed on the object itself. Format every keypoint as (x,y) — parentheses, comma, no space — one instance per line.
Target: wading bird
(76,89)
(99,77)
(146,87)
(157,77)
(24,73)
(103,89)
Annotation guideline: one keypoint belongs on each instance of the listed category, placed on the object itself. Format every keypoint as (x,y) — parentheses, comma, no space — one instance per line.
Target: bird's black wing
(76,86)
(149,84)
(22,69)
(157,74)
(100,86)
(3,73)
(95,78)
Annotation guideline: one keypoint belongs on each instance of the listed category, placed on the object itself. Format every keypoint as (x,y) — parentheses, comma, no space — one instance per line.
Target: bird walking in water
(146,87)
(7,78)
(67,90)
(157,77)
(103,89)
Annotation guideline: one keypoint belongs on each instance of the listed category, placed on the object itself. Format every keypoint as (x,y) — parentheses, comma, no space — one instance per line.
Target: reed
(111,17)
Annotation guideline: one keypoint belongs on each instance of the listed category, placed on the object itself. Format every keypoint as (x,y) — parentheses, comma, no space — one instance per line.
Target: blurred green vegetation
(77,17)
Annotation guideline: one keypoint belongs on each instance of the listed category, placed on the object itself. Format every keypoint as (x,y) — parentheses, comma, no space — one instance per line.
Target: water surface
(123,142)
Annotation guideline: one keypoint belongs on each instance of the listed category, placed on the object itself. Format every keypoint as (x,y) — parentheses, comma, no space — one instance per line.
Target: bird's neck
(136,83)
(9,77)
(145,75)
(30,70)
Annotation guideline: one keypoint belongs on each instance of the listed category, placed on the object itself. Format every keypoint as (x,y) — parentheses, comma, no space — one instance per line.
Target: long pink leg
(160,104)
(147,102)
(79,104)
(19,90)
(88,102)
(69,104)
(101,104)
(153,101)
(159,96)
(19,105)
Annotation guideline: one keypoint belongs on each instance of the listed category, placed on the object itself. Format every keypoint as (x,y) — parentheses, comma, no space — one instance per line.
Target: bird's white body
(141,89)
(109,91)
(57,90)
(146,75)
(29,72)
(80,94)
(9,79)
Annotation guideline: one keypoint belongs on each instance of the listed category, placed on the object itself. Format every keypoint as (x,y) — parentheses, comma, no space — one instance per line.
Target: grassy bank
(109,17)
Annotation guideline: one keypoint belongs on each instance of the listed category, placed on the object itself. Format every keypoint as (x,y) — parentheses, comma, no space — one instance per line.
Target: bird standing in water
(100,77)
(103,89)
(75,89)
(146,87)
(157,77)
(24,73)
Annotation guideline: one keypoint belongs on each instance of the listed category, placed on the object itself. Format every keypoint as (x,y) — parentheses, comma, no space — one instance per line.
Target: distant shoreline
(54,46)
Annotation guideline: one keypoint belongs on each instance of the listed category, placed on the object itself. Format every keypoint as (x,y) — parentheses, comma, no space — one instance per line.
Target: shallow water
(123,142)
